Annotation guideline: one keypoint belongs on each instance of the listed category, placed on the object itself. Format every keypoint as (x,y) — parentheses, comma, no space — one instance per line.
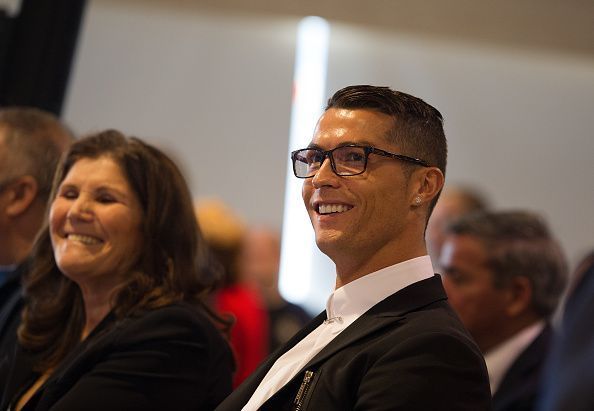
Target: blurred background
(212,82)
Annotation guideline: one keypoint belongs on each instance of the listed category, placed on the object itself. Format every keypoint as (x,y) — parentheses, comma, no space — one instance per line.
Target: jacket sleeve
(426,372)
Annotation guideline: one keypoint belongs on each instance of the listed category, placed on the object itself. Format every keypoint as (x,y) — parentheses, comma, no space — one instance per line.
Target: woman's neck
(96,309)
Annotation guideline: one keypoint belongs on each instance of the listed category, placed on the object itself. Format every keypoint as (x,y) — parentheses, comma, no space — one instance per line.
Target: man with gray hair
(504,274)
(31,143)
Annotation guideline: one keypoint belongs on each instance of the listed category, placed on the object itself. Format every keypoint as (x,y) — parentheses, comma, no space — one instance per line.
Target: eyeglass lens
(347,161)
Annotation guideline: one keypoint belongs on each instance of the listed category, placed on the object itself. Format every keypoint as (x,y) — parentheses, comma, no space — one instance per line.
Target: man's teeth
(85,239)
(333,208)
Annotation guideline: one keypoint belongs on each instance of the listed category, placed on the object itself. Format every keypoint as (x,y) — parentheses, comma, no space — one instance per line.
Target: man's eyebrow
(342,144)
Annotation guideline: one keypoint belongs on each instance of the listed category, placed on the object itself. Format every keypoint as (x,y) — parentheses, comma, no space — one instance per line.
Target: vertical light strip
(309,88)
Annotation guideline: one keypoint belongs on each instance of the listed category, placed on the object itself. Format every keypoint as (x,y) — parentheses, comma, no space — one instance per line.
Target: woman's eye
(70,194)
(106,199)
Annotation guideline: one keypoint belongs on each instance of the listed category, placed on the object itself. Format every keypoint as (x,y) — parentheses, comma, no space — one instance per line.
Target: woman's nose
(80,209)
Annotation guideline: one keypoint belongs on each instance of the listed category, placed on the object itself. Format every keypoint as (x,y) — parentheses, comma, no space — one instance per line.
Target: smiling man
(388,339)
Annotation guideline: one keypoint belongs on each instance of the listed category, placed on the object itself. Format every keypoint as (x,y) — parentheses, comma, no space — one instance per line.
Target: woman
(114,317)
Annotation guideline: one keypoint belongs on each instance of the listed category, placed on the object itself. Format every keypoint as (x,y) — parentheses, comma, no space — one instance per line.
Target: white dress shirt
(500,358)
(344,306)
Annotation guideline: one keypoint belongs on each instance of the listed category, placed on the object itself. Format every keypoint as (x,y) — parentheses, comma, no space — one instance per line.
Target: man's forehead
(360,126)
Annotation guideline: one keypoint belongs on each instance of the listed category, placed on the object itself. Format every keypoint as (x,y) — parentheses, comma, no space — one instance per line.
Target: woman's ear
(21,195)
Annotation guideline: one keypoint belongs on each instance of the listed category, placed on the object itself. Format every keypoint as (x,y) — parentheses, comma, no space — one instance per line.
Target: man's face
(468,282)
(357,216)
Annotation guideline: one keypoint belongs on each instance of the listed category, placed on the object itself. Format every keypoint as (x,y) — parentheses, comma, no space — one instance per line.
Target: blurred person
(504,274)
(260,261)
(31,142)
(224,232)
(388,340)
(114,315)
(454,202)
(569,373)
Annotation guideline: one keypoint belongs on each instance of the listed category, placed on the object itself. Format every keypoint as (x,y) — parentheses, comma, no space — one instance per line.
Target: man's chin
(329,242)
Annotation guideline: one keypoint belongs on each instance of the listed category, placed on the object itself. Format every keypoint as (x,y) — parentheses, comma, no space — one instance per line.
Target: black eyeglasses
(348,160)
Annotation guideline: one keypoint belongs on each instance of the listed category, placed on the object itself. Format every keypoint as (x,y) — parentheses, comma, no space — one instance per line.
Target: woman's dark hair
(174,263)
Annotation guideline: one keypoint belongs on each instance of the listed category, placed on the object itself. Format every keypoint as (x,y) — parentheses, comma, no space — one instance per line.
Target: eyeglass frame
(367,150)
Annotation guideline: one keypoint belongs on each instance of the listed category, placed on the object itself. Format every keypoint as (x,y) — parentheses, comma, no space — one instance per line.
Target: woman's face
(95,225)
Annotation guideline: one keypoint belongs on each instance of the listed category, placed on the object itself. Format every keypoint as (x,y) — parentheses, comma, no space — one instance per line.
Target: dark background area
(37,46)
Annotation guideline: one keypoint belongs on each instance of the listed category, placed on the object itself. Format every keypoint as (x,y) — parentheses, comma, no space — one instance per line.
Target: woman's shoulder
(177,320)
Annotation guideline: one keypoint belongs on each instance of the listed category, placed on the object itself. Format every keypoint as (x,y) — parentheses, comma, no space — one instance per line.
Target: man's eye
(351,156)
(355,156)
(314,158)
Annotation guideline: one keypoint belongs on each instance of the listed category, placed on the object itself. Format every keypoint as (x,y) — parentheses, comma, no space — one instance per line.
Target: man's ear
(21,195)
(520,296)
(430,182)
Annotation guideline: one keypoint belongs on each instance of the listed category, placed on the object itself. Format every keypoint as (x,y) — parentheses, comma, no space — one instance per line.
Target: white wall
(519,125)
(216,91)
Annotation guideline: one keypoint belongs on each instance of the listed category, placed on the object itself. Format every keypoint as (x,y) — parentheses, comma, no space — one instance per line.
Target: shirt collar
(358,296)
(500,358)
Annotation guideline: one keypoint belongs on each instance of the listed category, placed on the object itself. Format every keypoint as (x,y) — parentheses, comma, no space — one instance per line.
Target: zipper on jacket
(303,389)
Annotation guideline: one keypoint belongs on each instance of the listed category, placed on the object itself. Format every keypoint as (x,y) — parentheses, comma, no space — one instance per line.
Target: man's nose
(325,176)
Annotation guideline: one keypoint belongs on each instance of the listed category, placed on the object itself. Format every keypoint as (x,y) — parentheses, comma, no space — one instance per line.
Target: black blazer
(568,379)
(519,388)
(11,303)
(408,352)
(170,358)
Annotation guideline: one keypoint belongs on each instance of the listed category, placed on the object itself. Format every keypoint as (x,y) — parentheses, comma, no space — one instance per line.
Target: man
(504,274)
(454,202)
(31,142)
(388,339)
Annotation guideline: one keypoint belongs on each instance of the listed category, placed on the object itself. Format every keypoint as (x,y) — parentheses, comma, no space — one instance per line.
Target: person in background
(388,340)
(224,232)
(259,267)
(31,142)
(569,372)
(115,317)
(504,274)
(454,202)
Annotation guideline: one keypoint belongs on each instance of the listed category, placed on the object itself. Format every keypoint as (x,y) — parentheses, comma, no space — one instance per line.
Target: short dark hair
(519,243)
(172,265)
(34,140)
(417,127)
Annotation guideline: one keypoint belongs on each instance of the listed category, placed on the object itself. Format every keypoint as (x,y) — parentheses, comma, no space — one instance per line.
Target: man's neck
(512,328)
(353,268)
(14,252)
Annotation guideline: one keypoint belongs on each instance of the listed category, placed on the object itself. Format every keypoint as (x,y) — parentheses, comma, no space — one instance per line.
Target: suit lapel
(245,391)
(525,370)
(385,313)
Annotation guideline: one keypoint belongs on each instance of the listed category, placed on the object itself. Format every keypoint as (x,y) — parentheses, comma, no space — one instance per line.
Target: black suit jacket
(170,358)
(408,352)
(519,388)
(11,303)
(569,375)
